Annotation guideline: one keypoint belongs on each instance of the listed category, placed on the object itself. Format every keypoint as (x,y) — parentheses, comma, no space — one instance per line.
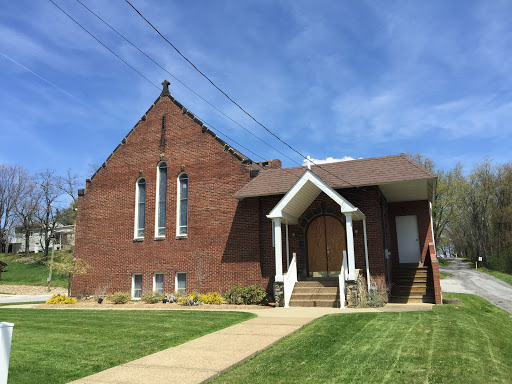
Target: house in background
(64,238)
(175,207)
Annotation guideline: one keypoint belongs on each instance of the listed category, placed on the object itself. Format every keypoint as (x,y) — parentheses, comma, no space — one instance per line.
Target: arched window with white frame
(161,198)
(182,209)
(140,208)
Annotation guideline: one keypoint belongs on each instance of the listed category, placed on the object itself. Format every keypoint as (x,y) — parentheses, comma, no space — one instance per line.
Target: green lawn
(506,277)
(466,344)
(443,262)
(56,346)
(32,273)
(445,275)
(30,302)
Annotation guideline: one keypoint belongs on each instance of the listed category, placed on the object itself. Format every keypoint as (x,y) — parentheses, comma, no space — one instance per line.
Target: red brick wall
(422,212)
(222,247)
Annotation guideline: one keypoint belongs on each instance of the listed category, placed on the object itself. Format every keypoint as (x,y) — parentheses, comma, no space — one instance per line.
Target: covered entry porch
(330,240)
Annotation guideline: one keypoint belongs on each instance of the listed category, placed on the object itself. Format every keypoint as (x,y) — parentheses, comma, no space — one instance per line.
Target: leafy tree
(70,265)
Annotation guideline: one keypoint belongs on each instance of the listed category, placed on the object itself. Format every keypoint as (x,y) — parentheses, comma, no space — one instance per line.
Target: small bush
(373,299)
(252,294)
(152,298)
(119,297)
(211,298)
(191,300)
(61,299)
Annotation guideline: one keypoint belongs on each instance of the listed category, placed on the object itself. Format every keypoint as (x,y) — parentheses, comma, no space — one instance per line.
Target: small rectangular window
(137,285)
(158,282)
(181,281)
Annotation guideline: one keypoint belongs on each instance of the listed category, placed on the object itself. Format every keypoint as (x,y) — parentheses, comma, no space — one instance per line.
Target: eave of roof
(346,174)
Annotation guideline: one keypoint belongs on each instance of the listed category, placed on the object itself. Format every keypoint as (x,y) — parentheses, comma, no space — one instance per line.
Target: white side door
(408,239)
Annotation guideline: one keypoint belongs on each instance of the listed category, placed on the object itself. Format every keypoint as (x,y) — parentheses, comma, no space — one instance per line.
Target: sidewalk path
(206,357)
(7,299)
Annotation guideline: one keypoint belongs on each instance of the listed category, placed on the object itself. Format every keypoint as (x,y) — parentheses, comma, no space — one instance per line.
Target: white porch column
(350,248)
(278,248)
(366,255)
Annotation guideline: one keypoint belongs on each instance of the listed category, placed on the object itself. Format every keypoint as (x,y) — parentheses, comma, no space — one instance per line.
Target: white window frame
(154,281)
(178,205)
(176,280)
(136,223)
(157,200)
(133,285)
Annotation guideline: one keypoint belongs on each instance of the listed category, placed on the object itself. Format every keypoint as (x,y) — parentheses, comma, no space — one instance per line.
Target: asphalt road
(4,299)
(467,280)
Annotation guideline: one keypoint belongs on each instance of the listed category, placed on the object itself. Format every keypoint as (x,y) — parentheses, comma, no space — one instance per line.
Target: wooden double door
(326,241)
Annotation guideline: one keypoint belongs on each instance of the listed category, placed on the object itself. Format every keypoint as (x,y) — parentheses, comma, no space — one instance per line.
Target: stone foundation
(279,293)
(355,291)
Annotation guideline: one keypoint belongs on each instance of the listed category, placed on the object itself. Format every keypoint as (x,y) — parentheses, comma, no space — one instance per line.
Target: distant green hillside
(23,271)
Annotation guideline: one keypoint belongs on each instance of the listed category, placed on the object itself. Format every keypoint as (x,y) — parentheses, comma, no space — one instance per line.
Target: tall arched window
(140,208)
(182,211)
(161,197)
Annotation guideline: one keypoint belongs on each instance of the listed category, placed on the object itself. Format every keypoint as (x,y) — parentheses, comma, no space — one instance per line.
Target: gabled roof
(303,193)
(344,174)
(204,129)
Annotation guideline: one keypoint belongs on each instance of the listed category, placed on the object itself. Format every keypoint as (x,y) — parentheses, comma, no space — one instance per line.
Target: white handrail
(342,278)
(290,278)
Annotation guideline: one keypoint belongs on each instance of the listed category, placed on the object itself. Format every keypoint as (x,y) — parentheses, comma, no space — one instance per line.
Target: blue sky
(332,78)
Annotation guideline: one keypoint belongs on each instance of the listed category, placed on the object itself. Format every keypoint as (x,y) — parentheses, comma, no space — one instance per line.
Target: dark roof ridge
(228,148)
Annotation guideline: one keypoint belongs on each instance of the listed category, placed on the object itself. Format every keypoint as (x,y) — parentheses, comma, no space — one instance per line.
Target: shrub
(211,298)
(119,297)
(61,299)
(252,294)
(152,298)
(191,300)
(373,299)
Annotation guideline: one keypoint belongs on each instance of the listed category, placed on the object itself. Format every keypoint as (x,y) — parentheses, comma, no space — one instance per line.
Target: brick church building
(176,207)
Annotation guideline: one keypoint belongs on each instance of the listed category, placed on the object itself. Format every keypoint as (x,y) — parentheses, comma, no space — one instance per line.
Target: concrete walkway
(8,299)
(204,358)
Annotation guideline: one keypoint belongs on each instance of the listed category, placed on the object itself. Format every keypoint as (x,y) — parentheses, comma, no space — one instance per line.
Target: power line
(229,98)
(98,40)
(186,86)
(111,51)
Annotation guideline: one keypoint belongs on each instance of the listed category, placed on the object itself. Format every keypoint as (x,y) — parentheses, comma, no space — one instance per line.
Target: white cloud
(329,159)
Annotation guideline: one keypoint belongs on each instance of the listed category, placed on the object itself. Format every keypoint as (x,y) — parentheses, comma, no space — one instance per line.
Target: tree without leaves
(48,214)
(14,181)
(26,210)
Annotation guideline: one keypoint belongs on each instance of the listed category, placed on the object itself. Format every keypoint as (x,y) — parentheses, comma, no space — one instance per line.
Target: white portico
(292,206)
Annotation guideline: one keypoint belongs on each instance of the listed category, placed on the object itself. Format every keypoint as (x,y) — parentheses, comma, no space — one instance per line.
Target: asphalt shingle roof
(344,174)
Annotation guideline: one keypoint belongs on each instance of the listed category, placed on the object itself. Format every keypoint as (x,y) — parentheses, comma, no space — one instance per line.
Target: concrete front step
(413,299)
(409,291)
(410,280)
(315,296)
(316,293)
(317,283)
(315,289)
(315,303)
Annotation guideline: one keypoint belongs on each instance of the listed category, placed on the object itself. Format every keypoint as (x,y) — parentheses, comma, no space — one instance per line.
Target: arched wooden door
(326,243)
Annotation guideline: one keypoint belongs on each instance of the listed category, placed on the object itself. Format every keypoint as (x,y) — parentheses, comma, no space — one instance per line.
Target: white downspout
(287,250)
(366,255)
